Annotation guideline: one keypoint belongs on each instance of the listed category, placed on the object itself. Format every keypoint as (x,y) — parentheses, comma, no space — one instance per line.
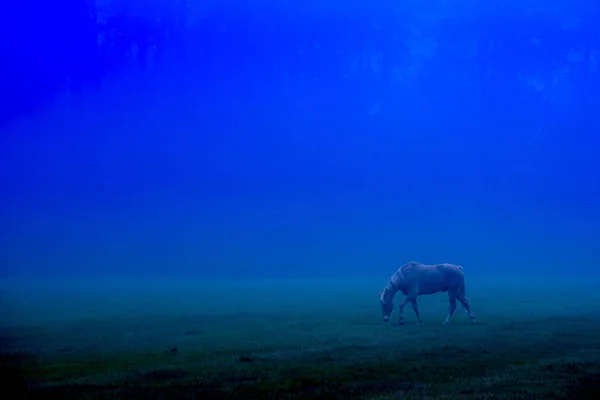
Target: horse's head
(386,305)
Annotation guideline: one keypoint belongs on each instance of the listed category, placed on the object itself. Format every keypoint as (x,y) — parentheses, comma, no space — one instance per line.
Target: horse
(414,279)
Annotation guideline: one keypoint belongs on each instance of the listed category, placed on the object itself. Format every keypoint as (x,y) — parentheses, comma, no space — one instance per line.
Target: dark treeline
(52,47)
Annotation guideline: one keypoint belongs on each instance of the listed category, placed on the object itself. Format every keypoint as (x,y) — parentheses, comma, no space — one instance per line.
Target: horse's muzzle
(386,318)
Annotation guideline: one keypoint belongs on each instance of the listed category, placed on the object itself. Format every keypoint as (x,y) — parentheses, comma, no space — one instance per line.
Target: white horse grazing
(414,279)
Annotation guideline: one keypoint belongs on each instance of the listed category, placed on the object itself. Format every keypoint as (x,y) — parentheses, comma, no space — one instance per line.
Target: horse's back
(435,277)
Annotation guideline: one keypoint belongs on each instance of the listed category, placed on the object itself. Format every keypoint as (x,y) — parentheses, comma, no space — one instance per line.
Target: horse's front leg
(410,297)
(416,308)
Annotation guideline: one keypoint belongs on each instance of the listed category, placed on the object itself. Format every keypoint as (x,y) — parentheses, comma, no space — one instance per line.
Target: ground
(535,339)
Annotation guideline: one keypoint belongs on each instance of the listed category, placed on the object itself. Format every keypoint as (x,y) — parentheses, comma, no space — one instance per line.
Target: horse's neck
(396,281)
(390,291)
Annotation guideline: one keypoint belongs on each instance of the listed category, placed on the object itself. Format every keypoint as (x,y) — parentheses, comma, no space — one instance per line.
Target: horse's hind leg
(461,296)
(452,298)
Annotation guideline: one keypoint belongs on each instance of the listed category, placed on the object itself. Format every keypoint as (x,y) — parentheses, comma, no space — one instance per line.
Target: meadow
(536,338)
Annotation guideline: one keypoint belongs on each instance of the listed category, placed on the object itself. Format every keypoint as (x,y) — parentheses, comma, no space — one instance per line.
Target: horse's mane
(399,275)
(400,272)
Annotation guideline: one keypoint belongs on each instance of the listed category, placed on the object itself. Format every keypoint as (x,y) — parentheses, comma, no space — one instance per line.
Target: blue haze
(267,162)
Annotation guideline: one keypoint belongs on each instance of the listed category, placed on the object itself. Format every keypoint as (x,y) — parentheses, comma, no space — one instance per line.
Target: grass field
(535,339)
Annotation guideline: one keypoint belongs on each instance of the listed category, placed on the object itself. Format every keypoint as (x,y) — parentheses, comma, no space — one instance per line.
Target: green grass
(298,340)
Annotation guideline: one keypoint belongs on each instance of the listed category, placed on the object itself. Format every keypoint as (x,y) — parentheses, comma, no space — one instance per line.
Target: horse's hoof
(446,322)
(400,323)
